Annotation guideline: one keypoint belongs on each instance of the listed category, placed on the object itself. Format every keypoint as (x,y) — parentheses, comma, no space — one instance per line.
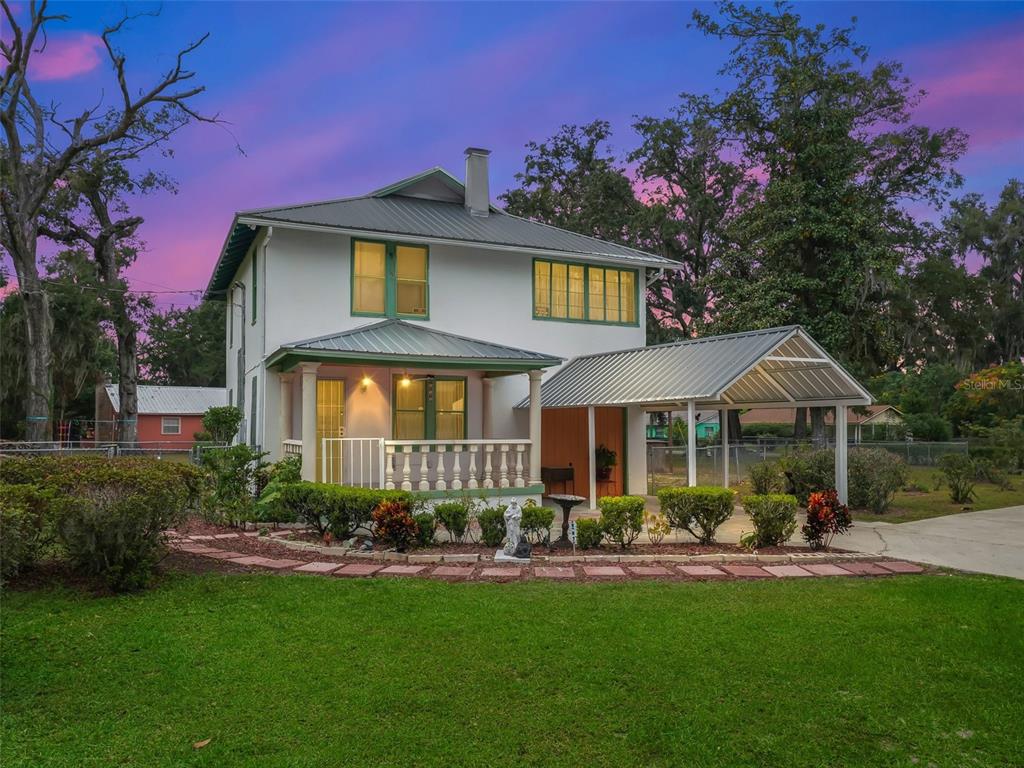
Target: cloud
(67,56)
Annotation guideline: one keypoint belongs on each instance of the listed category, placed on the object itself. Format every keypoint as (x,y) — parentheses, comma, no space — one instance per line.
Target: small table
(566,501)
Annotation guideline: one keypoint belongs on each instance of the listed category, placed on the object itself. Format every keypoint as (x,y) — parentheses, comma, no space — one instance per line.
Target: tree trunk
(127,380)
(735,427)
(818,427)
(800,424)
(40,376)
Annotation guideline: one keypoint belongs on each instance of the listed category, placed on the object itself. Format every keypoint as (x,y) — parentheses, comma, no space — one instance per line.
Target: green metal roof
(428,205)
(397,342)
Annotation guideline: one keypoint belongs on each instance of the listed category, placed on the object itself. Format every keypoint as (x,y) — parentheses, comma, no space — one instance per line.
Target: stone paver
(452,571)
(603,571)
(199,549)
(318,567)
(202,537)
(358,569)
(649,570)
(224,555)
(280,565)
(861,568)
(554,572)
(898,566)
(254,560)
(786,571)
(226,536)
(754,571)
(826,569)
(501,573)
(402,570)
(701,570)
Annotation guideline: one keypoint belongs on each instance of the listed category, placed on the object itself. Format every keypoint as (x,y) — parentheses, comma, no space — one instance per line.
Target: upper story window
(389,279)
(584,293)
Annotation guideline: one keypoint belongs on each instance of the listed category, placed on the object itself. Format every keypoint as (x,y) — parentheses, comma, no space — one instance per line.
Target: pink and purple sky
(333,99)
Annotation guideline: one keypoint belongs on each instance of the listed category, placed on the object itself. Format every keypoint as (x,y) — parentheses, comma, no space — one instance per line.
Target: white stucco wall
(304,292)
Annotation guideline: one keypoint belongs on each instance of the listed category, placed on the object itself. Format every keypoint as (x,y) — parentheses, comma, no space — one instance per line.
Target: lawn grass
(935,502)
(309,671)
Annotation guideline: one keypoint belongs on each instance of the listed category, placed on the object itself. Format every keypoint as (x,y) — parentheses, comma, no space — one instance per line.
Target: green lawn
(934,502)
(308,671)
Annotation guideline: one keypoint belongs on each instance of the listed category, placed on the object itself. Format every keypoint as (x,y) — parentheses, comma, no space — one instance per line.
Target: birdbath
(566,501)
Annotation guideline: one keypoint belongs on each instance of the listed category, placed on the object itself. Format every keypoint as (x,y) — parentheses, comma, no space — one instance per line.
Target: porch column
(636,451)
(309,420)
(284,416)
(691,443)
(723,421)
(535,424)
(486,398)
(842,486)
(591,463)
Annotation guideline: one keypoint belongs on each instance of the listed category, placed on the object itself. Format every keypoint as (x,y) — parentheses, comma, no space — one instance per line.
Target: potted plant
(604,459)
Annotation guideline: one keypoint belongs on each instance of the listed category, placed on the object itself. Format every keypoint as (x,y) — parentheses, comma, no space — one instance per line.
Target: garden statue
(516,545)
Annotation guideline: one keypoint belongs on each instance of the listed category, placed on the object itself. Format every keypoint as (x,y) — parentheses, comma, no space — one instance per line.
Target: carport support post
(842,484)
(309,420)
(592,464)
(723,420)
(691,443)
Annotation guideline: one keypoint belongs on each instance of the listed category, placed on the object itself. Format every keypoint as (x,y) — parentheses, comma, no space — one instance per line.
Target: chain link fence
(667,464)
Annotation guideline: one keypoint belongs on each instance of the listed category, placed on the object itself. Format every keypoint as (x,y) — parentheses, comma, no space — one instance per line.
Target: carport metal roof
(780,367)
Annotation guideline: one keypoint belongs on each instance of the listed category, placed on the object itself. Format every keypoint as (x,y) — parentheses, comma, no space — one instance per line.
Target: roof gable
(433,184)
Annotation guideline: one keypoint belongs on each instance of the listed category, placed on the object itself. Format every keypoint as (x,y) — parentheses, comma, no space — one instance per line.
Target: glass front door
(330,422)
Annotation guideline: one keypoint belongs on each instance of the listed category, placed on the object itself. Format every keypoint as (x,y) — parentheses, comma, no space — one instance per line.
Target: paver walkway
(483,570)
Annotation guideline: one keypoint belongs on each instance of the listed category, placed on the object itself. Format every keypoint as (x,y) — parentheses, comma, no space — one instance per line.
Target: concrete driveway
(986,542)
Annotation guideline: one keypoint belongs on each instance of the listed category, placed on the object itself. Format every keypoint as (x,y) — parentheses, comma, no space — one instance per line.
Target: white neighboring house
(387,338)
(400,340)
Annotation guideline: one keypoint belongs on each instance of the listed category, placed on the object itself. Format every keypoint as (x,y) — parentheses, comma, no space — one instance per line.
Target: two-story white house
(418,337)
(388,337)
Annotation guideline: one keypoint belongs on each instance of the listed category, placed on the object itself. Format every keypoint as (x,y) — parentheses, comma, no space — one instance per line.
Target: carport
(772,368)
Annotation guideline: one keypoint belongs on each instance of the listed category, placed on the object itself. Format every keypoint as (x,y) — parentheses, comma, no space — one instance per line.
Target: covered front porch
(773,368)
(397,405)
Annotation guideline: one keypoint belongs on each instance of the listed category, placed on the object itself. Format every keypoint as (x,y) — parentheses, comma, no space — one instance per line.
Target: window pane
(627,287)
(411,274)
(369,273)
(596,278)
(410,410)
(576,292)
(611,296)
(542,288)
(450,410)
(559,290)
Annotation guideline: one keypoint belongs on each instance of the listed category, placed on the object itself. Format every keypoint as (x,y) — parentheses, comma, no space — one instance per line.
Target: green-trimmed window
(389,279)
(583,292)
(429,408)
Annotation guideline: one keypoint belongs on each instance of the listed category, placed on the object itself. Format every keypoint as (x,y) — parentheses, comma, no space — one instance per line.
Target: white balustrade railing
(444,465)
(421,465)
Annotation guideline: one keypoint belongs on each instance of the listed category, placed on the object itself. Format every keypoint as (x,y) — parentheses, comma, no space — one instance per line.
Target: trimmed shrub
(426,526)
(393,525)
(24,526)
(453,516)
(959,472)
(492,525)
(221,423)
(807,471)
(622,518)
(765,478)
(588,533)
(875,477)
(988,471)
(826,518)
(537,522)
(699,510)
(340,509)
(774,519)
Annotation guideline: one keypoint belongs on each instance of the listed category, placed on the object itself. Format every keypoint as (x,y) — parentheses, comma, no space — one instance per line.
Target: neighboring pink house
(169,417)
